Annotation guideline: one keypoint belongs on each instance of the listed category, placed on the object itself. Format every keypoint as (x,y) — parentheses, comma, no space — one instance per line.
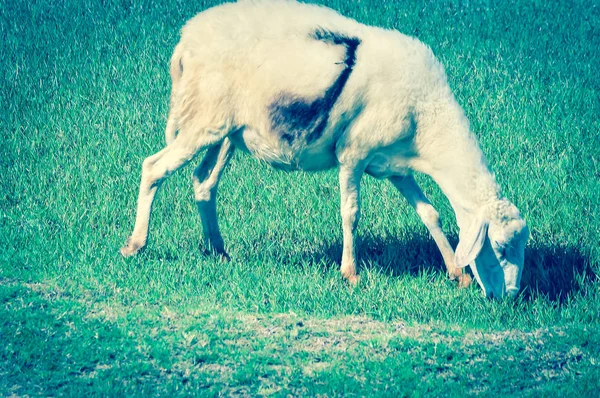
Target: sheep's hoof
(221,254)
(353,280)
(464,281)
(130,248)
(455,273)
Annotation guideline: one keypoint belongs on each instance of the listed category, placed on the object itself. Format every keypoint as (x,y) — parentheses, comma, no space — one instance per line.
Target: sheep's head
(494,247)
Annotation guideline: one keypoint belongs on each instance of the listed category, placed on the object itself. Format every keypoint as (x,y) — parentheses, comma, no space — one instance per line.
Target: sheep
(304,88)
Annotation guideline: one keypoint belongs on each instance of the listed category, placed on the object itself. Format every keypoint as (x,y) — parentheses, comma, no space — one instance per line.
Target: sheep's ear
(471,242)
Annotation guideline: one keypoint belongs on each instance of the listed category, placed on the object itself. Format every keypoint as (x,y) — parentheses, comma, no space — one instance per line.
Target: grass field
(84,95)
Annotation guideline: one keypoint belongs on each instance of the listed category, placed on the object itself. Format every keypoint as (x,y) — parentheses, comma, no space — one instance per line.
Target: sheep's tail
(175,70)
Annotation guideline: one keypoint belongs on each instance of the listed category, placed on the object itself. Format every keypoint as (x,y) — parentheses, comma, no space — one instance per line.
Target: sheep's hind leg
(430,217)
(155,169)
(206,180)
(350,211)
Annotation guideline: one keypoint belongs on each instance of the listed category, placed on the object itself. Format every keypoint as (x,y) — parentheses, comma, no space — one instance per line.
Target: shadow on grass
(554,272)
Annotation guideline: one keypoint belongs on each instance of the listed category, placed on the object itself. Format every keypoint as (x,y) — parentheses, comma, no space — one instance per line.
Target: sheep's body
(302,87)
(241,59)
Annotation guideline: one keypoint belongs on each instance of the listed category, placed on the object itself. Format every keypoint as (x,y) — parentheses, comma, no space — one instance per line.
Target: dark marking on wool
(293,117)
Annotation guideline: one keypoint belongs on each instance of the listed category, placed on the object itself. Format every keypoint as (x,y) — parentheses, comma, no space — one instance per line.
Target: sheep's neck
(468,192)
(452,157)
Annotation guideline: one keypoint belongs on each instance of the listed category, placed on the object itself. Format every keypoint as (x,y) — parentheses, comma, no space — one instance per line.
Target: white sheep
(304,88)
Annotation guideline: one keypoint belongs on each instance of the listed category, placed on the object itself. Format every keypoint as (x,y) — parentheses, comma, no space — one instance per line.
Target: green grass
(83,99)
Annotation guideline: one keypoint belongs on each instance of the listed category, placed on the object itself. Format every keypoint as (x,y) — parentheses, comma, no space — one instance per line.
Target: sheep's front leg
(350,210)
(206,180)
(430,217)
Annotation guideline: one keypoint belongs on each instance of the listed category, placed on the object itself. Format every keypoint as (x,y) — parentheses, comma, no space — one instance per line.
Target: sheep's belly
(277,153)
(384,165)
(315,158)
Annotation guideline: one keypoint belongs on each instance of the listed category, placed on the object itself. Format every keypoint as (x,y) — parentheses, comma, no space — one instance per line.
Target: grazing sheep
(304,88)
